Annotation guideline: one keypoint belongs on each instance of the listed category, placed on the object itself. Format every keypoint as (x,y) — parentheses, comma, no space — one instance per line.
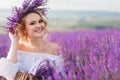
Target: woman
(28,45)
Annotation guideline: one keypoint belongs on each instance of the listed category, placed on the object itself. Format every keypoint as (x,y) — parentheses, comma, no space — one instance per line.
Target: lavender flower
(42,70)
(88,55)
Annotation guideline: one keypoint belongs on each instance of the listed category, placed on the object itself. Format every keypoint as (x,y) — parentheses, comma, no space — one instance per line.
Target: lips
(39,30)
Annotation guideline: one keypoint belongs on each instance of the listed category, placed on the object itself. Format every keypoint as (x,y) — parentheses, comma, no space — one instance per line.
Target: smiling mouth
(39,30)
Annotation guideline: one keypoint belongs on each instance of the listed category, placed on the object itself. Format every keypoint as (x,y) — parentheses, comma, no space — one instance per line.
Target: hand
(14,37)
(12,54)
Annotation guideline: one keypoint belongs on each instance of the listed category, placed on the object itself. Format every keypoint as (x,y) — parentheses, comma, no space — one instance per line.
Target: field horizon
(63,20)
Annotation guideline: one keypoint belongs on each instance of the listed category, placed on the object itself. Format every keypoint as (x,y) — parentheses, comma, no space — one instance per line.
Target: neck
(36,43)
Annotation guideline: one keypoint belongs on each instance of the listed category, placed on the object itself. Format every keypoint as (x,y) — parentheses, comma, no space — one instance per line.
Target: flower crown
(19,12)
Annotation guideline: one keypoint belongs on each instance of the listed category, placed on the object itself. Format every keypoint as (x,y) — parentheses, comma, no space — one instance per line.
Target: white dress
(25,61)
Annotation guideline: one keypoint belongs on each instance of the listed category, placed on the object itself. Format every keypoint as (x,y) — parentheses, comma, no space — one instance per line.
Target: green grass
(88,22)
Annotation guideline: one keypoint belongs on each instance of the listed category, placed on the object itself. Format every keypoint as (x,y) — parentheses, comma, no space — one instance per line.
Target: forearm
(12,54)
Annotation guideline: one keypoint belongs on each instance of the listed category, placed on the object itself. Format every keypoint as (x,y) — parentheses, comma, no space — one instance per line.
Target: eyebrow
(33,21)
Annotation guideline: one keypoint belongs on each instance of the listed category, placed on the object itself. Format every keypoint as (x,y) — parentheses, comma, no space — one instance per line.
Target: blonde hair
(21,25)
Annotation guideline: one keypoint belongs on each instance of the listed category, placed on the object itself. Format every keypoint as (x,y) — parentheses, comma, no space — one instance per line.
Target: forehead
(32,17)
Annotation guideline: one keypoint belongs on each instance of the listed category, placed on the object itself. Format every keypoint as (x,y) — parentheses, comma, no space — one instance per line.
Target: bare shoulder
(54,47)
(20,46)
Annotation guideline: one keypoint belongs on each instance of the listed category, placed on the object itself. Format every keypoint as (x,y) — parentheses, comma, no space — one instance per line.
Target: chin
(39,36)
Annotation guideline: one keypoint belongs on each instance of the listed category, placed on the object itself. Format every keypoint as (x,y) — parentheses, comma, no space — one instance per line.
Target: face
(34,25)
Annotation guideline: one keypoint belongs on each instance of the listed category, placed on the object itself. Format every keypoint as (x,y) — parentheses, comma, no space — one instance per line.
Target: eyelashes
(34,22)
(40,21)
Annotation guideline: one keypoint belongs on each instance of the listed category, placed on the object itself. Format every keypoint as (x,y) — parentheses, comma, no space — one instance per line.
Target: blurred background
(90,52)
(73,14)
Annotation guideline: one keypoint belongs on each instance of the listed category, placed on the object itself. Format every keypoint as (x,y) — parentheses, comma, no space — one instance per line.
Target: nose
(38,24)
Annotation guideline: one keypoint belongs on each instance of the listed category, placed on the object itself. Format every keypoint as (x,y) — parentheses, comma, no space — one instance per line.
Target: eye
(32,23)
(40,21)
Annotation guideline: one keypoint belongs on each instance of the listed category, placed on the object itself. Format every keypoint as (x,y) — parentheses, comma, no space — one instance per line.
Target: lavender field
(88,54)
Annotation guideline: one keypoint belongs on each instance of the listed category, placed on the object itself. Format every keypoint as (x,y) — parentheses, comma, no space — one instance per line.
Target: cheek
(29,29)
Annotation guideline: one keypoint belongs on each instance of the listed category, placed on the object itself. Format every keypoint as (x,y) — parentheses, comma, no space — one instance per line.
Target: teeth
(38,30)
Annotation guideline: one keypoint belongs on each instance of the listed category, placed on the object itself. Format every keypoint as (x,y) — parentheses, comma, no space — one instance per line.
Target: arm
(8,67)
(12,54)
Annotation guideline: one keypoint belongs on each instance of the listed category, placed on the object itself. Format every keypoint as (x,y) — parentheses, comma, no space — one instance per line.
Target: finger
(16,34)
(10,33)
